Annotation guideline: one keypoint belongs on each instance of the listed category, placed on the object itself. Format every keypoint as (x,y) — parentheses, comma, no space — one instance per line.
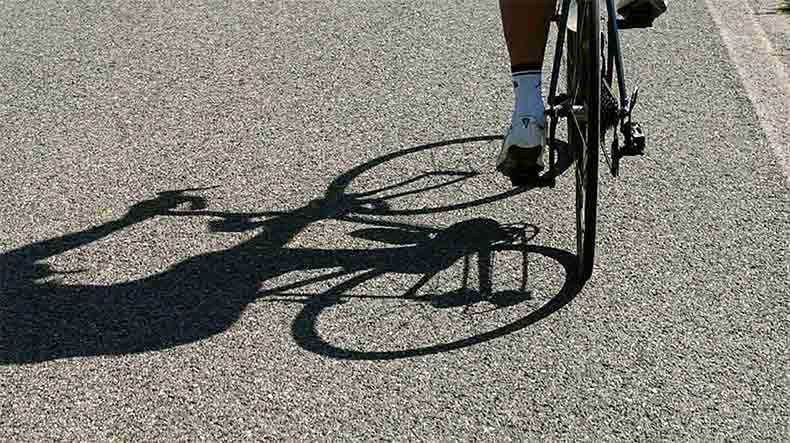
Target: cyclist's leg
(526,27)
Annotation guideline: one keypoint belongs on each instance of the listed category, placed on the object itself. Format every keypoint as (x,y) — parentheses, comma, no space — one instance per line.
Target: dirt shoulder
(775,24)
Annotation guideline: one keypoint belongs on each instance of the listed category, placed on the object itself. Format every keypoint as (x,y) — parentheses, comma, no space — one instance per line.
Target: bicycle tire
(584,85)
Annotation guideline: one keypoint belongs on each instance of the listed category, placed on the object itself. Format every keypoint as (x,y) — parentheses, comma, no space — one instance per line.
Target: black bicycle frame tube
(555,75)
(614,39)
(563,27)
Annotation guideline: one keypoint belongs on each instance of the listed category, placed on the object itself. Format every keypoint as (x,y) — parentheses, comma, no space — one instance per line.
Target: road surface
(326,276)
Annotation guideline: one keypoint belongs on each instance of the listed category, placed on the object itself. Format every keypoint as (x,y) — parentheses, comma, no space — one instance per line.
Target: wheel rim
(584,87)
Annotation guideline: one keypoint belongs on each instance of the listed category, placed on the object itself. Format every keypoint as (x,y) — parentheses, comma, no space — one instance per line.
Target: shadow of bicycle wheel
(306,333)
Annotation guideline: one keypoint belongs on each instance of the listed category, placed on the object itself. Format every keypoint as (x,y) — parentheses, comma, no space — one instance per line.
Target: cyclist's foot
(521,157)
(641,11)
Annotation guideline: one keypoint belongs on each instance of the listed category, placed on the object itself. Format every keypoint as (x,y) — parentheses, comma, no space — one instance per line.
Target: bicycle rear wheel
(584,86)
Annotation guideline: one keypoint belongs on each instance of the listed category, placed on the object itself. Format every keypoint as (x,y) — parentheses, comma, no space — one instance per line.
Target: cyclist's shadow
(41,319)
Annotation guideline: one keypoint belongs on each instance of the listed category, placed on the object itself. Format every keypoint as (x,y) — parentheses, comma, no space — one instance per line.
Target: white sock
(529,96)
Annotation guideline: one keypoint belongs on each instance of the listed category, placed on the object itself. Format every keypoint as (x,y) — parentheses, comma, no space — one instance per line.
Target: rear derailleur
(633,136)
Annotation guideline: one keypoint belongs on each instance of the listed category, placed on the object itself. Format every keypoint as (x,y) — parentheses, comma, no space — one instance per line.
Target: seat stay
(562,29)
(614,41)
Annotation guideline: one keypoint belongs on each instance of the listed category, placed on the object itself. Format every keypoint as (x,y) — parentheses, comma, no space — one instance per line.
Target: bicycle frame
(557,110)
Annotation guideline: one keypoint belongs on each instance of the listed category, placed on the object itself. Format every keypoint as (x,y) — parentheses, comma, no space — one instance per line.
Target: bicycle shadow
(452,245)
(42,319)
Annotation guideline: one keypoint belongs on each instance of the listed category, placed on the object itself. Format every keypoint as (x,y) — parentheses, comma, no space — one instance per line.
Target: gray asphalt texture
(279,306)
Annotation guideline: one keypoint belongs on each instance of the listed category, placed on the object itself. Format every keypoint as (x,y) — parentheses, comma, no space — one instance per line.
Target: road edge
(763,75)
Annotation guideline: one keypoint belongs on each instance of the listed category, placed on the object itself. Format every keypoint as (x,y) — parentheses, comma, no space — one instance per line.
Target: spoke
(577,86)
(579,130)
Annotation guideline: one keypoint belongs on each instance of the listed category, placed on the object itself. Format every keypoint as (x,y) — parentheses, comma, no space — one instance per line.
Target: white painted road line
(763,75)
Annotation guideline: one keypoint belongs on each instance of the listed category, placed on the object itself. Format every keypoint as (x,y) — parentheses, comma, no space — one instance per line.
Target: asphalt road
(326,282)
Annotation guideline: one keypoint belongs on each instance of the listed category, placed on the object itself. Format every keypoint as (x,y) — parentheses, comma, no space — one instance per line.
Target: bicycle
(590,108)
